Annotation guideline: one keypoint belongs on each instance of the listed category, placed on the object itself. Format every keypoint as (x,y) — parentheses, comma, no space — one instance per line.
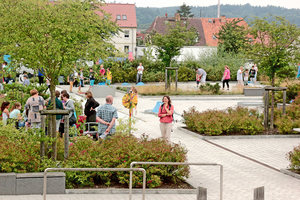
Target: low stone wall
(31,183)
(253,91)
(101,91)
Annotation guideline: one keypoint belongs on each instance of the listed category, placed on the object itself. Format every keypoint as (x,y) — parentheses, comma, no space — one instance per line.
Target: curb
(134,191)
(183,129)
(290,173)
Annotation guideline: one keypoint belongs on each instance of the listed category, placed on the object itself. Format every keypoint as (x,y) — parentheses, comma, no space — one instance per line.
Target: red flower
(81,131)
(150,181)
(77,125)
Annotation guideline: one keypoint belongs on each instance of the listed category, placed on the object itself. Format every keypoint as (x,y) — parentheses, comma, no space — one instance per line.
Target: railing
(98,170)
(175,163)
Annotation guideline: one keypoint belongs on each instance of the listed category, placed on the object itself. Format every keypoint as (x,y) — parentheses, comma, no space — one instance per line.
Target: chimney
(177,17)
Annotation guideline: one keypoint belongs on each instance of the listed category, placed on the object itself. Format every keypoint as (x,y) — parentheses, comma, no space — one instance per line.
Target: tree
(168,45)
(185,11)
(275,46)
(53,36)
(232,37)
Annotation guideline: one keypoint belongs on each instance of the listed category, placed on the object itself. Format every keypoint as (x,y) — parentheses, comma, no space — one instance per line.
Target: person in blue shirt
(26,81)
(41,76)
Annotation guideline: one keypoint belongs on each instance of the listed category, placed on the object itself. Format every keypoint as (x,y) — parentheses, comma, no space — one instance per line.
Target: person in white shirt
(139,74)
(239,76)
(256,70)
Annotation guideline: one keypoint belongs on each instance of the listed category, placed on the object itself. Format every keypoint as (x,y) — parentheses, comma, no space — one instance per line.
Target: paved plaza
(241,175)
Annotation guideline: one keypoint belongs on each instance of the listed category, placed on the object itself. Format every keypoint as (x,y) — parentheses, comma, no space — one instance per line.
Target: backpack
(37,105)
(161,108)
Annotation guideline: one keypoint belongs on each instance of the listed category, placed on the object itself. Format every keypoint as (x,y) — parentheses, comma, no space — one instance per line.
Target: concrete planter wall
(101,91)
(254,91)
(31,183)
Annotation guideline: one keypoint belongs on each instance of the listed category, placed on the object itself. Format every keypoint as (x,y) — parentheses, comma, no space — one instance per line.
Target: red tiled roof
(207,28)
(121,10)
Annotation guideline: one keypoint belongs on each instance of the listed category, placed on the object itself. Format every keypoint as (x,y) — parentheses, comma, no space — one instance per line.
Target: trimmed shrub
(294,158)
(229,122)
(20,153)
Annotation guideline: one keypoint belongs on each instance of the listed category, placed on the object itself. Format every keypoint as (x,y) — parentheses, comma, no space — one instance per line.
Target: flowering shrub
(286,123)
(119,152)
(294,158)
(231,121)
(20,153)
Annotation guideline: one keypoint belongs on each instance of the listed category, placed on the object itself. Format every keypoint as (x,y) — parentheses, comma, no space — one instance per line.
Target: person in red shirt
(102,70)
(165,114)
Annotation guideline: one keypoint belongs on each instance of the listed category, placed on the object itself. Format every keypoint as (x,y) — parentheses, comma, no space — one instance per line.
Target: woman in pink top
(226,77)
(165,114)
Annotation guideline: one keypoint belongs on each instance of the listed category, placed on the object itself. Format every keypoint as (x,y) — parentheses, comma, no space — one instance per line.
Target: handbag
(72,120)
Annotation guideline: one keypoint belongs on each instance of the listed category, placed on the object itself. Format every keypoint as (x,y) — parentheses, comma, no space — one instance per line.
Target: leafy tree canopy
(54,35)
(276,44)
(185,11)
(232,37)
(169,44)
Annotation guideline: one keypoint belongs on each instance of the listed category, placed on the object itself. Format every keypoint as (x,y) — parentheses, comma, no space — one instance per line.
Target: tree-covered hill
(145,16)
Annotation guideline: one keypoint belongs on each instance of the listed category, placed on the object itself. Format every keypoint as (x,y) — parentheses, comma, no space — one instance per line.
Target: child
(81,77)
(108,77)
(92,78)
(5,112)
(16,114)
(246,76)
(198,79)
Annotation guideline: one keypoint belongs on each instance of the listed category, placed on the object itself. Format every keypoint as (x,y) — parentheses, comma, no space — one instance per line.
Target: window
(124,17)
(118,17)
(126,33)
(126,49)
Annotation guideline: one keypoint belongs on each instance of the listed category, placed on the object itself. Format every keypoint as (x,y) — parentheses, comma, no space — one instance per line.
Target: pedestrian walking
(92,78)
(102,70)
(165,113)
(246,77)
(108,76)
(71,79)
(200,76)
(226,77)
(41,76)
(106,116)
(239,76)
(33,106)
(252,73)
(139,75)
(81,82)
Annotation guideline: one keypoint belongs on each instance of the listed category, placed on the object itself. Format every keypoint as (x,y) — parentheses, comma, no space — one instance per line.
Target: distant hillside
(145,16)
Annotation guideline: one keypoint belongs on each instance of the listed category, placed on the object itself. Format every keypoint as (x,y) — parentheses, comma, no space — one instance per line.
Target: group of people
(77,79)
(242,76)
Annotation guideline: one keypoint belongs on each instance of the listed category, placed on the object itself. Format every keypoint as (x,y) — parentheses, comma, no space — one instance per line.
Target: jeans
(139,77)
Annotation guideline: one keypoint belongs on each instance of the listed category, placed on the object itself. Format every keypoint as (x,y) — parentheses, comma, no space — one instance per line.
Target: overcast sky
(166,3)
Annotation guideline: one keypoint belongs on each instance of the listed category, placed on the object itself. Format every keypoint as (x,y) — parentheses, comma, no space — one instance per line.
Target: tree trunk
(272,106)
(53,122)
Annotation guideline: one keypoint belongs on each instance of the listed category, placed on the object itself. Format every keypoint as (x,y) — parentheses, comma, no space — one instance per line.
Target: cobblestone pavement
(241,175)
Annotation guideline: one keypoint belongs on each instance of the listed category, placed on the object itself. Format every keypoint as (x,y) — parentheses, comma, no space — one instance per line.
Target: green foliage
(20,153)
(230,122)
(286,123)
(294,158)
(17,92)
(232,37)
(185,11)
(291,93)
(214,89)
(214,65)
(168,45)
(276,44)
(186,74)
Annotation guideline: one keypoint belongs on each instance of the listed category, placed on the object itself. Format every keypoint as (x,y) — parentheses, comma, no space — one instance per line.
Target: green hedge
(229,122)
(20,153)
